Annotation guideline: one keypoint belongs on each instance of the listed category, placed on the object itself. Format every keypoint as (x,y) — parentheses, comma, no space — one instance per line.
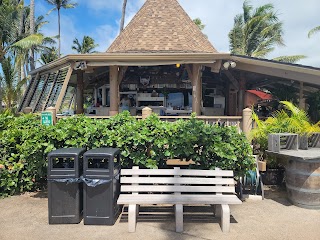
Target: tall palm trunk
(32,61)
(123,15)
(59,36)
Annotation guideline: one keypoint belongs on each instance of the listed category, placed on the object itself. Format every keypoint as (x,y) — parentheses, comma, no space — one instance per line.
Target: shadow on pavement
(191,214)
(41,194)
(277,194)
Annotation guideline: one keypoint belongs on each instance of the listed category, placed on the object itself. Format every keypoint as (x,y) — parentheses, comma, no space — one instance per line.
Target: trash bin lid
(66,152)
(102,152)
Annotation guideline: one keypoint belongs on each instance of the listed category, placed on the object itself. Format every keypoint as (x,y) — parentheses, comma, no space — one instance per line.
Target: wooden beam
(215,67)
(64,87)
(50,91)
(189,71)
(42,91)
(301,100)
(79,95)
(232,79)
(32,89)
(121,74)
(282,73)
(261,83)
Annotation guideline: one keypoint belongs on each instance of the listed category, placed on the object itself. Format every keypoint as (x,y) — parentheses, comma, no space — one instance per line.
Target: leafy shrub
(24,145)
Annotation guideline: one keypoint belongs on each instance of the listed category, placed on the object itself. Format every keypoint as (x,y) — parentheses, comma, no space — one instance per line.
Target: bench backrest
(176,181)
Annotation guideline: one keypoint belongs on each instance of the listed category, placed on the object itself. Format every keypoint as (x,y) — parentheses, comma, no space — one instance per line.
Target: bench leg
(179,217)
(132,217)
(225,218)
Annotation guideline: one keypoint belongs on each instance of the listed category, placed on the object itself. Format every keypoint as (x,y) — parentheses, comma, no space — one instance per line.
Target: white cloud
(100,5)
(298,18)
(104,36)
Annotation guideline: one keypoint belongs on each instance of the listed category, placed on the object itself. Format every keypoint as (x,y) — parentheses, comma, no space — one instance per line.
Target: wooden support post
(146,112)
(64,88)
(104,95)
(196,89)
(241,93)
(247,121)
(114,90)
(302,104)
(79,95)
(54,114)
(95,96)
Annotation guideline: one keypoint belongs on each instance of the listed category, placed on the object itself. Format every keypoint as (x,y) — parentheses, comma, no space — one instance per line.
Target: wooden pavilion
(161,51)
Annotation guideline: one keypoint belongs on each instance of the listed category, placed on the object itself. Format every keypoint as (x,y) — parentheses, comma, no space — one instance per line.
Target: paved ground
(25,217)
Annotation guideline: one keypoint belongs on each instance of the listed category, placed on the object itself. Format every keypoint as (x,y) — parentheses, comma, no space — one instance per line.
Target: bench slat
(177,199)
(181,180)
(181,172)
(172,188)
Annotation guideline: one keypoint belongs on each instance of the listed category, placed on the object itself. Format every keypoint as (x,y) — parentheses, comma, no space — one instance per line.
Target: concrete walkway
(25,217)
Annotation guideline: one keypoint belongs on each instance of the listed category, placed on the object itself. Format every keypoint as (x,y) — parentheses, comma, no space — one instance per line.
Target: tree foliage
(199,23)
(10,84)
(256,31)
(86,46)
(314,31)
(58,5)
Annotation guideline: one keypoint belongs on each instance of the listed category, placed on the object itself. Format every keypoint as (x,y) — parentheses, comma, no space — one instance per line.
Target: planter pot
(273,176)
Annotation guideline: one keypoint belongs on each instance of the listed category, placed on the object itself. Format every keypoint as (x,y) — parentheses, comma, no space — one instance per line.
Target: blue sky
(100,20)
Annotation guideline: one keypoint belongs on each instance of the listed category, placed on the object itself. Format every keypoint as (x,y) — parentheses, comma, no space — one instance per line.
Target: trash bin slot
(98,163)
(62,162)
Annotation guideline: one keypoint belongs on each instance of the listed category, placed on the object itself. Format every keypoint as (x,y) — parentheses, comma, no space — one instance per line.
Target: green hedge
(25,144)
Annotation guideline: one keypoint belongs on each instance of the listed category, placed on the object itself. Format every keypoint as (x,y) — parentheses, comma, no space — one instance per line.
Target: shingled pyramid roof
(161,26)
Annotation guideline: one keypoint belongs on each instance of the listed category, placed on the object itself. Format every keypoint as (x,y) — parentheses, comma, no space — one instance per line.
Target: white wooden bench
(178,187)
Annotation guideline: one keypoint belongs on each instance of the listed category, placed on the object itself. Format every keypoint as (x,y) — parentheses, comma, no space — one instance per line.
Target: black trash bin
(65,191)
(101,177)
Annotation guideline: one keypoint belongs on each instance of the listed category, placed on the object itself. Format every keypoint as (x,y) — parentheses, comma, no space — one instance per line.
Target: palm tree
(38,42)
(9,12)
(32,31)
(58,4)
(256,31)
(48,55)
(123,15)
(86,46)
(313,31)
(11,85)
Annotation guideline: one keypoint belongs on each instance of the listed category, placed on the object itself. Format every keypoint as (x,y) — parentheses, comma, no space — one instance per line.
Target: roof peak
(161,26)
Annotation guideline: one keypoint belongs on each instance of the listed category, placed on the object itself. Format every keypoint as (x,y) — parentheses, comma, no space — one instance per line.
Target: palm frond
(313,31)
(29,41)
(290,59)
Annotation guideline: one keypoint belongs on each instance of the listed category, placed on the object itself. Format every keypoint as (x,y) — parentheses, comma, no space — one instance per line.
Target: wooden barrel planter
(303,182)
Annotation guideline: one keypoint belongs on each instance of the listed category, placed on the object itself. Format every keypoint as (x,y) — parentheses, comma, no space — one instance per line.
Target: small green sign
(46,118)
